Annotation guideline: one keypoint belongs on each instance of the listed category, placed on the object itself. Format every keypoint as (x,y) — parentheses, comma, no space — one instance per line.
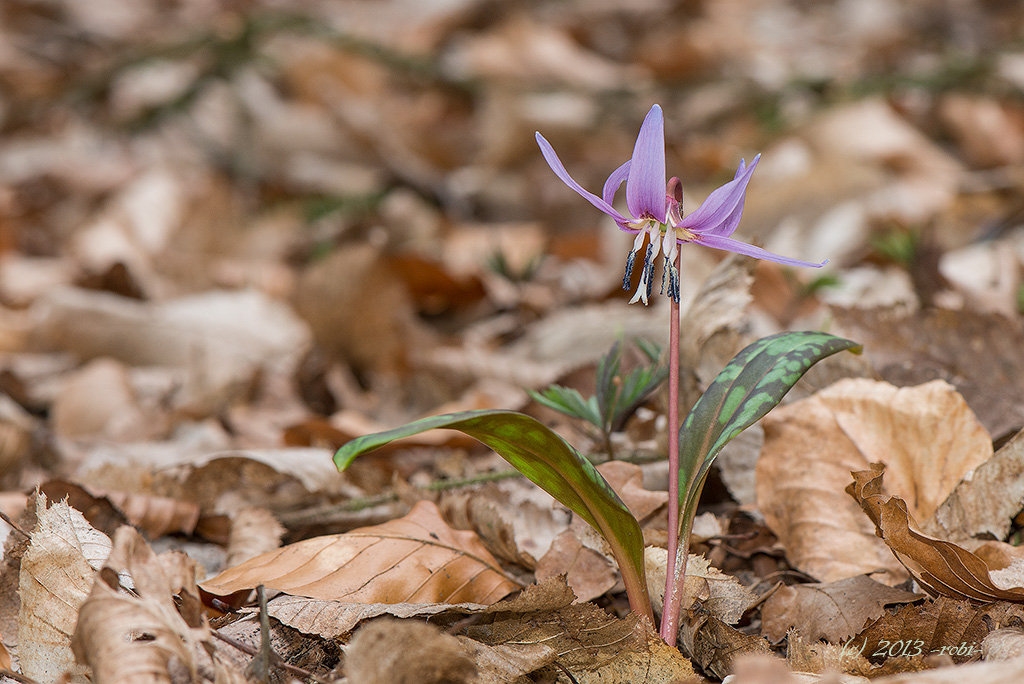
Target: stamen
(630,258)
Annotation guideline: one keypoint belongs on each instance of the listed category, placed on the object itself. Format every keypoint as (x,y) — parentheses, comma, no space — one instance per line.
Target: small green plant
(746,389)
(616,395)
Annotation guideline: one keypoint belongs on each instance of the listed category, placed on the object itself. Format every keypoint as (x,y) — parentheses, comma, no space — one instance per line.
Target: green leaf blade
(549,462)
(751,385)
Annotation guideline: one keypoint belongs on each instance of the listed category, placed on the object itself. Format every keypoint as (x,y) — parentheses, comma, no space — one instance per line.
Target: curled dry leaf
(253,531)
(1003,644)
(941,567)
(417,558)
(715,645)
(140,635)
(926,435)
(833,612)
(57,573)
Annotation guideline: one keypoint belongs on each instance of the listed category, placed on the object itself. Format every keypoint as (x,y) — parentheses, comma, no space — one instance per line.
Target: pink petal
(731,245)
(720,213)
(645,185)
(556,165)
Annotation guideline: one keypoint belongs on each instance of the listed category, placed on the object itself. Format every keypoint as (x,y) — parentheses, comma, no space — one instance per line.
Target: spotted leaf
(750,386)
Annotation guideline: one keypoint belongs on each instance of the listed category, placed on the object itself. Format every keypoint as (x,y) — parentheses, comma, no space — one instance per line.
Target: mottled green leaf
(751,385)
(550,462)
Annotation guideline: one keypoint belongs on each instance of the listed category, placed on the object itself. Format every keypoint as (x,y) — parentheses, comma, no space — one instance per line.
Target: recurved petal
(556,165)
(731,245)
(645,183)
(722,205)
(611,186)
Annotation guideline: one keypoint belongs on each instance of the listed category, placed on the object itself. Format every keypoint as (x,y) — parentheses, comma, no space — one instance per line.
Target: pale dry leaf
(765,669)
(335,619)
(157,515)
(1003,644)
(926,435)
(941,567)
(416,558)
(833,612)
(719,594)
(98,401)
(57,572)
(985,503)
(140,635)
(253,531)
(506,662)
(999,672)
(822,658)
(426,654)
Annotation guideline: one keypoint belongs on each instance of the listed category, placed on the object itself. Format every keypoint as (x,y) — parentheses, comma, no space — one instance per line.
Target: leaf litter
(234,238)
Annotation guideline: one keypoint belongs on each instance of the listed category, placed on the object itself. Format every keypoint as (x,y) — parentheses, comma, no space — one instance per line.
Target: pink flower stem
(670,612)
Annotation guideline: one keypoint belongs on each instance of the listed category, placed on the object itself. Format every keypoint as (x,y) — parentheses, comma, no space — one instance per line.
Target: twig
(329,513)
(249,650)
(15,526)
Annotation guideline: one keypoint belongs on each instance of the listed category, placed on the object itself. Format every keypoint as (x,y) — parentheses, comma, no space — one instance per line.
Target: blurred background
(271,213)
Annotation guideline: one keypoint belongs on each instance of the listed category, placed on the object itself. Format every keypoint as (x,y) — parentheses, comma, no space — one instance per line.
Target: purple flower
(655,208)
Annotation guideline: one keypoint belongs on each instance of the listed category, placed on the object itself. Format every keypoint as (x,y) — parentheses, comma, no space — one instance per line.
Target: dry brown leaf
(941,567)
(627,479)
(942,627)
(589,572)
(416,558)
(981,354)
(253,531)
(591,644)
(57,572)
(833,612)
(516,520)
(985,503)
(507,662)
(715,645)
(926,435)
(335,619)
(719,594)
(139,634)
(426,654)
(99,401)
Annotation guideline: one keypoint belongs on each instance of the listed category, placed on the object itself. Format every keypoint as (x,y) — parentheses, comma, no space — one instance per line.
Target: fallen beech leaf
(253,531)
(719,594)
(589,572)
(336,619)
(715,645)
(413,559)
(753,668)
(985,503)
(926,435)
(515,519)
(981,354)
(941,567)
(833,612)
(591,644)
(953,627)
(57,572)
(1003,644)
(999,672)
(507,662)
(627,479)
(405,652)
(127,636)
